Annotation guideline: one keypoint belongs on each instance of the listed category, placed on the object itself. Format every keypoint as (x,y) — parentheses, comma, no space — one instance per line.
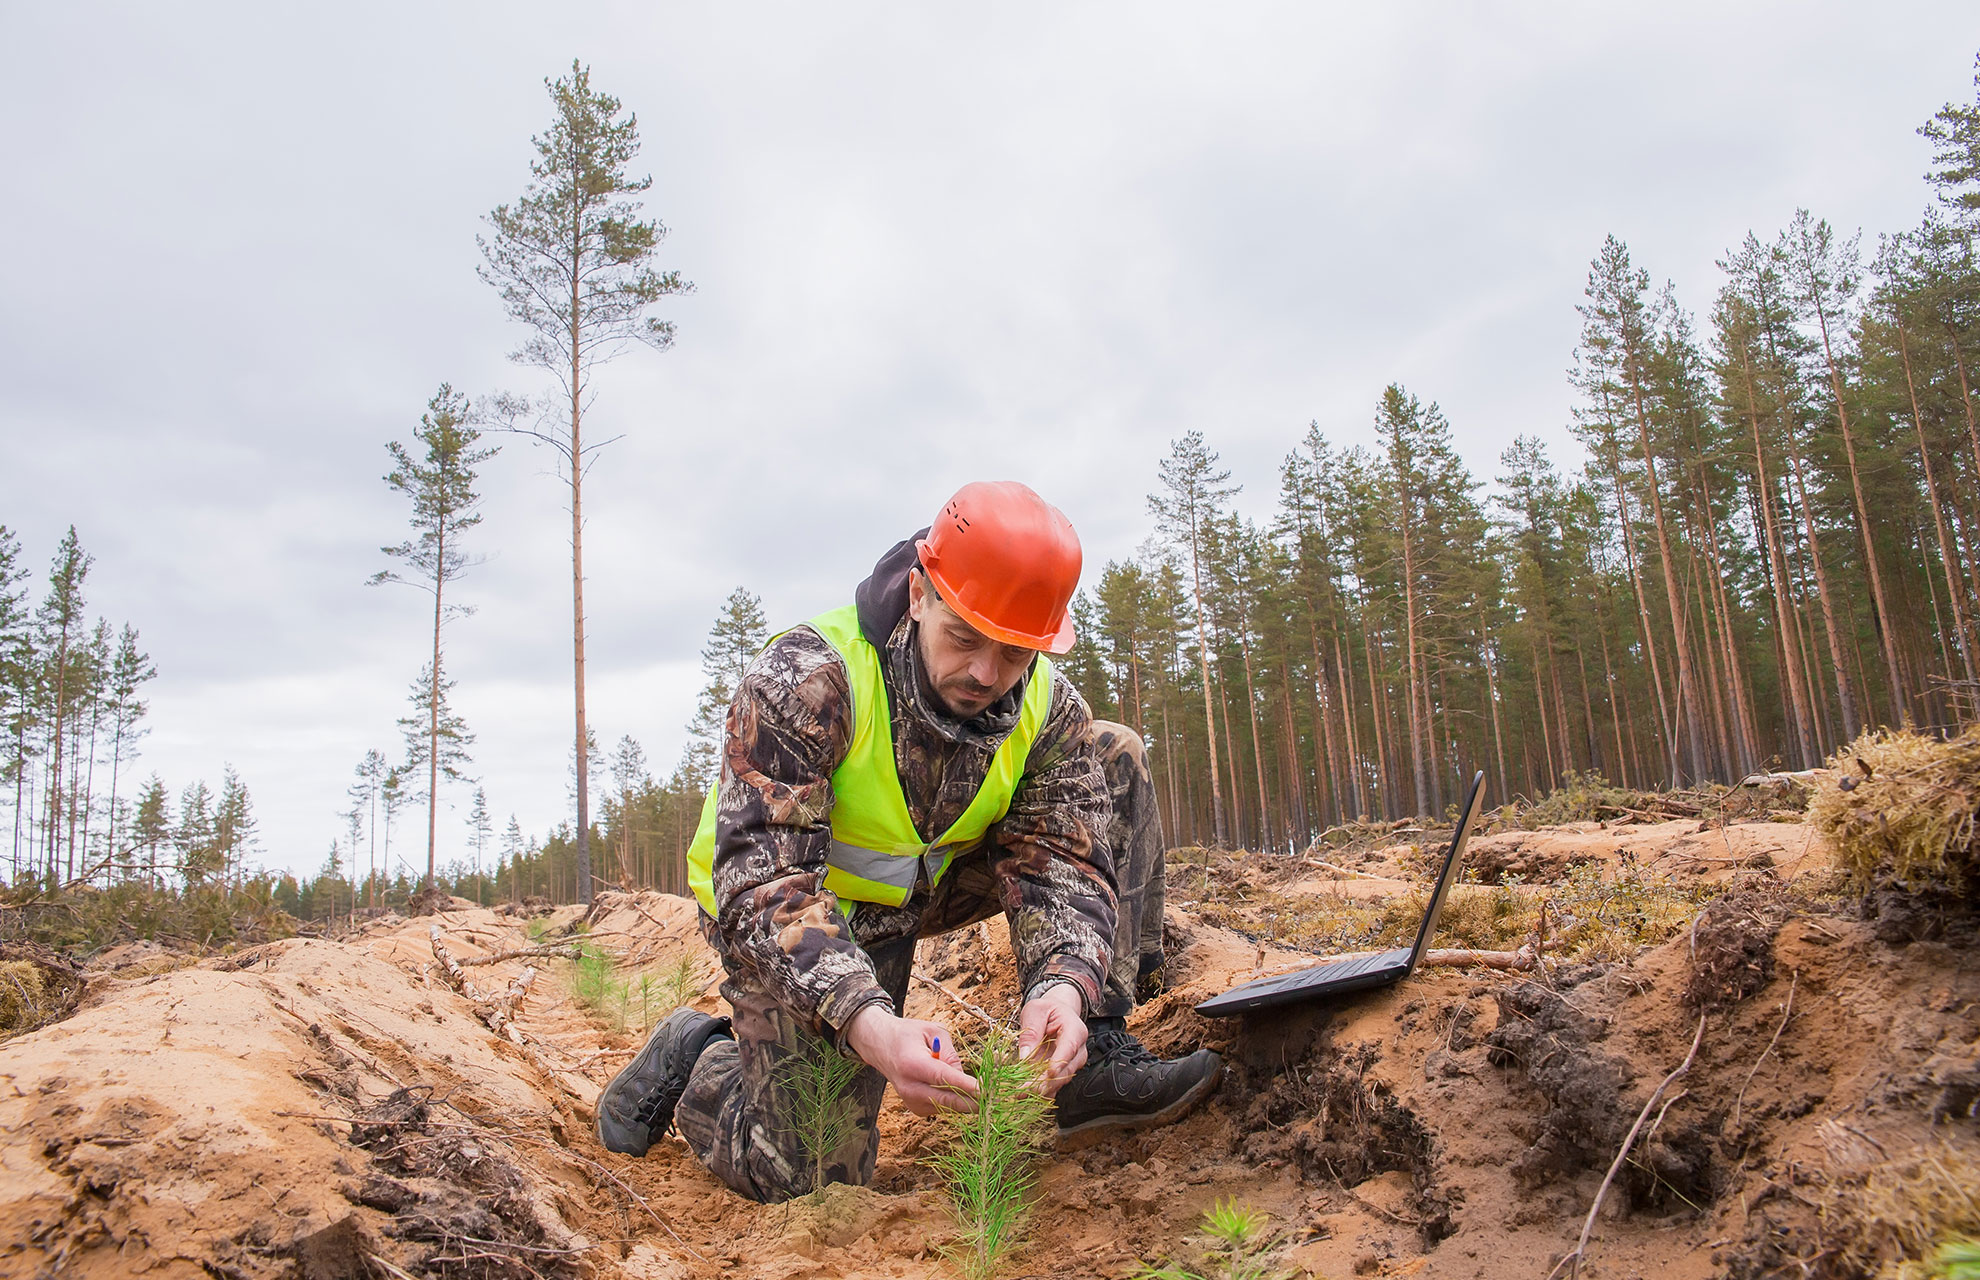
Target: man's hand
(1054,1018)
(903,1050)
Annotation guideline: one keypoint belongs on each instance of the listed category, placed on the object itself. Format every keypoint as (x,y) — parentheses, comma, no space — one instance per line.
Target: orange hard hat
(1007,562)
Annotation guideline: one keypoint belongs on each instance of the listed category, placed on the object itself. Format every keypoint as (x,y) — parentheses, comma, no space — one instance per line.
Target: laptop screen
(1473,802)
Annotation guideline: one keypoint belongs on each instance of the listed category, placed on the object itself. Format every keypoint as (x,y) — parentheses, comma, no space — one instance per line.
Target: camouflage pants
(742,1114)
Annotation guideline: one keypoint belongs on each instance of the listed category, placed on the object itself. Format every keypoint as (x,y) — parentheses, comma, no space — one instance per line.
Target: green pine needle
(819,1081)
(988,1163)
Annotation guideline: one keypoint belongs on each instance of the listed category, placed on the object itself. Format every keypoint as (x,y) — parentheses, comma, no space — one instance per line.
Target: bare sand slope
(333,1108)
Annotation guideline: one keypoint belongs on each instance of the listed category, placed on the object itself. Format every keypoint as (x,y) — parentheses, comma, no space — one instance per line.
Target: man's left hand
(1055,1018)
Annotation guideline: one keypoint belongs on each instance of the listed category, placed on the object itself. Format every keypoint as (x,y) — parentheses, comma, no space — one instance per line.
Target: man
(896,769)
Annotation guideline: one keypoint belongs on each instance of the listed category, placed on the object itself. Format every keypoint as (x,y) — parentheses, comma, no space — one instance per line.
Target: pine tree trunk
(583,757)
(1680,641)
(1947,556)
(1265,836)
(432,719)
(1412,672)
(1354,759)
(1203,655)
(1852,722)
(1498,730)
(1885,623)
(1802,717)
(1643,618)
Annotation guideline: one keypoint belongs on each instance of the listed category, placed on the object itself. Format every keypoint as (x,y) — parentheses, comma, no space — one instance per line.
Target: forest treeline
(1769,546)
(72,711)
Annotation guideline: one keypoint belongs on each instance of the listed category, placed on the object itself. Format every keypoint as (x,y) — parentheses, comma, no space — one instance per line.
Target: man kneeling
(924,708)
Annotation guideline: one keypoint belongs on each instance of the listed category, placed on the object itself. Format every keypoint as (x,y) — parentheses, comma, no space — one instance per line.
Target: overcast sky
(931,244)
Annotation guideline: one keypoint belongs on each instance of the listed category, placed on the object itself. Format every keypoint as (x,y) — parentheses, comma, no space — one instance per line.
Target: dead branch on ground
(1787,1011)
(925,980)
(1573,1260)
(498,1010)
(564,950)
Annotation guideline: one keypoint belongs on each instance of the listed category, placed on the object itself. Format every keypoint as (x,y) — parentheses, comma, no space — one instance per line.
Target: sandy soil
(324,1108)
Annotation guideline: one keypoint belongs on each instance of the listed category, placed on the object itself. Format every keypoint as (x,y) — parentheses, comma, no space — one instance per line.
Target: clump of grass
(1901,811)
(1235,1249)
(819,1081)
(1913,1221)
(22,995)
(1596,914)
(987,1163)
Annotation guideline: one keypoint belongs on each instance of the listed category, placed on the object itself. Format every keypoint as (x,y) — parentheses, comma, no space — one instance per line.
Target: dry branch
(498,1011)
(925,980)
(1573,1260)
(1787,1011)
(567,950)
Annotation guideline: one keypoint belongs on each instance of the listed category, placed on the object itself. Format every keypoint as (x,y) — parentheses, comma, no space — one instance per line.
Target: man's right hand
(903,1050)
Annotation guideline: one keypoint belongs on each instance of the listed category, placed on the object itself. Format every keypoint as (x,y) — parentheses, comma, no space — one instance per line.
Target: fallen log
(496,1010)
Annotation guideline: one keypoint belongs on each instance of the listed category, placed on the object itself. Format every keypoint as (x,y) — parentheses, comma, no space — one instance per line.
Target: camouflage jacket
(789,727)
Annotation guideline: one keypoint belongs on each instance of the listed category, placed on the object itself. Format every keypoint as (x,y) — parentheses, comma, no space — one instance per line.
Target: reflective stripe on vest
(876,855)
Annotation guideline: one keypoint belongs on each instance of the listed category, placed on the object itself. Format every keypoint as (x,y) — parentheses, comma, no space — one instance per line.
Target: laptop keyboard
(1325,973)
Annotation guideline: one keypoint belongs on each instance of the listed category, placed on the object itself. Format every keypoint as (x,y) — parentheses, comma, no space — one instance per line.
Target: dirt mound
(336,1108)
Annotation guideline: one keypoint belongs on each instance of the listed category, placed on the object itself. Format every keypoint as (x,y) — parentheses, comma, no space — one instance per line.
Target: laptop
(1339,977)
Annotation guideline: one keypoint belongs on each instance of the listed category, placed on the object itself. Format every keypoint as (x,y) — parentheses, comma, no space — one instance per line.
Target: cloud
(931,245)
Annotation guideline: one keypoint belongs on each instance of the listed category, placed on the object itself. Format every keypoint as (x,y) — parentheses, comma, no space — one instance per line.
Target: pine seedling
(988,1162)
(819,1080)
(681,982)
(1237,1246)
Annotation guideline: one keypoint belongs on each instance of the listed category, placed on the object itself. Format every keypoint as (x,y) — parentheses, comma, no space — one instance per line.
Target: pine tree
(151,825)
(60,639)
(233,826)
(441,486)
(629,776)
(17,678)
(738,635)
(437,740)
(193,836)
(1617,345)
(572,260)
(1954,132)
(1826,275)
(130,670)
(1196,492)
(512,851)
(480,827)
(363,794)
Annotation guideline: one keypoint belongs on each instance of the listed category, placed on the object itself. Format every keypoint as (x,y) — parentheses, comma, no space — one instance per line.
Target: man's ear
(917,595)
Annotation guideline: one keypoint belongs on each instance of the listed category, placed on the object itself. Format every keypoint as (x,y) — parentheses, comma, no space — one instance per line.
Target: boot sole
(1101,1127)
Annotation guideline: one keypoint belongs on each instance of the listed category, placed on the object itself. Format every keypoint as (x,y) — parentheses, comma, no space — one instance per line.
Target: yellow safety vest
(876,855)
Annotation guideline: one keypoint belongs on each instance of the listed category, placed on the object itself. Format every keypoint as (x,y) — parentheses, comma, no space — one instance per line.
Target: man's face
(968,669)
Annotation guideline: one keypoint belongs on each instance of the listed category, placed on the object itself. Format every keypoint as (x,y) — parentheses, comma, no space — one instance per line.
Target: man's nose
(983,670)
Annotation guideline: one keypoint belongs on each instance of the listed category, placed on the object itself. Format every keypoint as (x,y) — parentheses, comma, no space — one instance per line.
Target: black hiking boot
(638,1106)
(1123,1087)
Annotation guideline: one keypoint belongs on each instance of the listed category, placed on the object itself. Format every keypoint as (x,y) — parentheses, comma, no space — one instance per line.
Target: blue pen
(938,1048)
